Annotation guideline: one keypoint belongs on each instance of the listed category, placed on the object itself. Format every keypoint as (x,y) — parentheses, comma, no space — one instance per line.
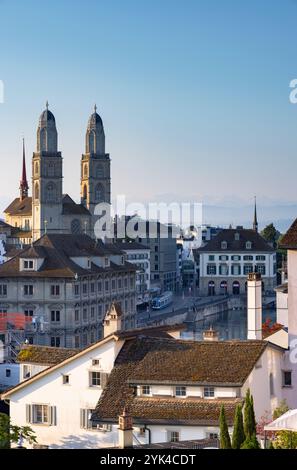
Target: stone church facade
(48,210)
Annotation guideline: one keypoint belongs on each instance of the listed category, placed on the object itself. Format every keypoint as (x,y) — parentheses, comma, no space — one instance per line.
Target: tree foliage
(251,443)
(225,441)
(238,436)
(270,234)
(10,433)
(249,416)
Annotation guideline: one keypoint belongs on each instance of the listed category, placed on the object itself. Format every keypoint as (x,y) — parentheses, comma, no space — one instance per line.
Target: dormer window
(89,263)
(248,245)
(224,245)
(237,236)
(106,261)
(28,264)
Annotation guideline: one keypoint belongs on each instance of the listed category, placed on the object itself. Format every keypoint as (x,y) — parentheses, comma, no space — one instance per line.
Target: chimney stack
(125,430)
(254,306)
(113,320)
(210,335)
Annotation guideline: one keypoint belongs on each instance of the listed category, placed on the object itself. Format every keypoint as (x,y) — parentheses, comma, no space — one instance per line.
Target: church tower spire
(95,167)
(47,178)
(24,187)
(255,223)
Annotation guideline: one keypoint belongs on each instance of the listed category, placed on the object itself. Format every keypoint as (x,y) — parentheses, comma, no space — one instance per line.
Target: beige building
(65,284)
(48,210)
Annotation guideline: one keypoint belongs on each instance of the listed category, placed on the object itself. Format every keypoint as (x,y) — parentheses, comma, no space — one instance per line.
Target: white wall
(68,399)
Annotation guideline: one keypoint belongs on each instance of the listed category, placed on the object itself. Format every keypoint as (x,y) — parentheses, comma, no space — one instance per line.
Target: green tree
(251,443)
(238,436)
(10,433)
(225,441)
(281,409)
(270,234)
(249,416)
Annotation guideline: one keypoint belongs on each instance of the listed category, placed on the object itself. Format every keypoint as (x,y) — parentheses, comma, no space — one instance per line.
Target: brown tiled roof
(20,207)
(155,331)
(289,240)
(44,355)
(126,246)
(233,245)
(57,252)
(156,360)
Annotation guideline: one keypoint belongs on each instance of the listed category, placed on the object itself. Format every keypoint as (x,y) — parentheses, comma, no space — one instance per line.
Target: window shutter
(29,414)
(83,418)
(53,415)
(103,379)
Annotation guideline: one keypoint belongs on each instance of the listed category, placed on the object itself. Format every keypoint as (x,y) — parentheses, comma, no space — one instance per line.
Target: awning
(286,422)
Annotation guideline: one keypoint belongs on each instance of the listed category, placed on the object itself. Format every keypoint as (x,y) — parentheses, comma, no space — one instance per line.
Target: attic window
(237,236)
(224,245)
(248,245)
(28,264)
(95,362)
(106,261)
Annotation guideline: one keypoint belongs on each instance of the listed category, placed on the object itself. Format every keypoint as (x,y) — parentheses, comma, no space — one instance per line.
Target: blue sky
(194,95)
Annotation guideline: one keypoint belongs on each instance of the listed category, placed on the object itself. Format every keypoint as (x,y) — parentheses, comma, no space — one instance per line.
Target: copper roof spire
(24,183)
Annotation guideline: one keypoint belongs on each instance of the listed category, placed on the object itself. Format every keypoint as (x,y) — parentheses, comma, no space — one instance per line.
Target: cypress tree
(254,430)
(225,442)
(249,416)
(238,436)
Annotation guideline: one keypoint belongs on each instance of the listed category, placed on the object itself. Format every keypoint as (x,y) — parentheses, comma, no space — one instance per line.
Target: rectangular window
(211,269)
(76,316)
(86,423)
(85,289)
(113,284)
(55,290)
(95,379)
(211,257)
(236,270)
(100,309)
(28,289)
(28,264)
(106,286)
(95,362)
(208,392)
(28,313)
(236,258)
(248,268)
(41,414)
(180,391)
(119,283)
(3,290)
(99,286)
(248,258)
(55,315)
(55,341)
(260,258)
(261,268)
(173,436)
(93,312)
(8,373)
(85,314)
(287,378)
(76,289)
(65,379)
(145,390)
(92,288)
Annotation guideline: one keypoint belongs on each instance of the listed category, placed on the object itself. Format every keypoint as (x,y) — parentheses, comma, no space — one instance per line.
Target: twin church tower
(49,210)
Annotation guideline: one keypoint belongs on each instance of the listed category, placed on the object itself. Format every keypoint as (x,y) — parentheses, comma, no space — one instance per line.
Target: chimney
(254,304)
(112,321)
(125,430)
(210,335)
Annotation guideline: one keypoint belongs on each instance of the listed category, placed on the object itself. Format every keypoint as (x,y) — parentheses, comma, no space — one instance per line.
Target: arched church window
(92,140)
(36,191)
(51,192)
(75,227)
(99,171)
(85,193)
(85,171)
(99,193)
(36,168)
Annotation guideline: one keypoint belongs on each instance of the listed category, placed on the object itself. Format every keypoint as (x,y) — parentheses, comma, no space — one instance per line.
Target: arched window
(271,385)
(85,193)
(92,139)
(75,227)
(236,288)
(85,171)
(99,171)
(36,191)
(211,288)
(51,192)
(223,287)
(99,193)
(36,168)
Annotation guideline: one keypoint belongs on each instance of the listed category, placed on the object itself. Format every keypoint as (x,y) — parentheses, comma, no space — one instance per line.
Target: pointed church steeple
(255,223)
(24,187)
